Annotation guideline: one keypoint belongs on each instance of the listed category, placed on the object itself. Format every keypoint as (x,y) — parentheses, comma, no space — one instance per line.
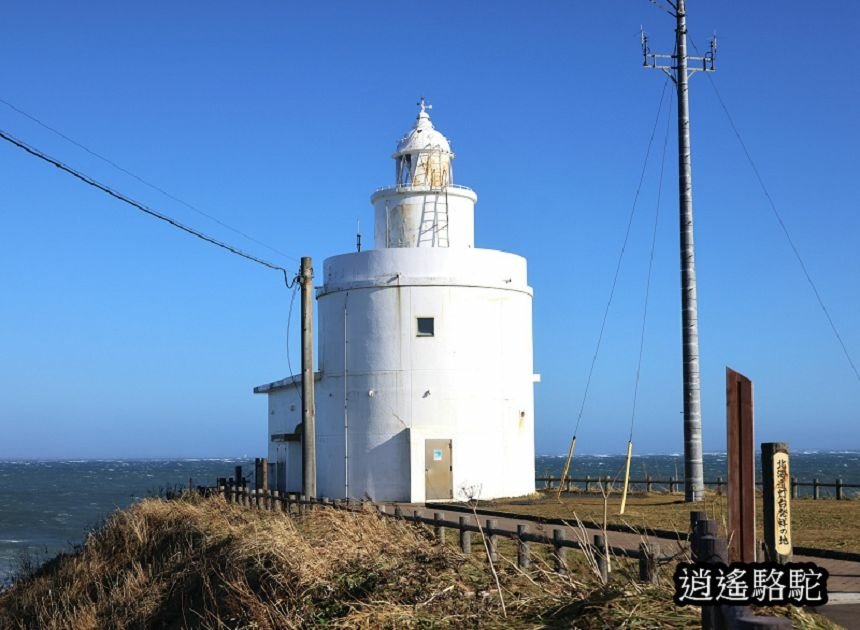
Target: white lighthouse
(425,380)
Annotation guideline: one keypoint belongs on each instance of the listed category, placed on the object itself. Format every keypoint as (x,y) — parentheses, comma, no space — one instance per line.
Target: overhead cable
(783,226)
(650,269)
(620,258)
(142,180)
(143,208)
(611,291)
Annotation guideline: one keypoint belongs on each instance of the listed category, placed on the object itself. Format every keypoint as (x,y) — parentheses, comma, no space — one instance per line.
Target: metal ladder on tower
(433,230)
(441,215)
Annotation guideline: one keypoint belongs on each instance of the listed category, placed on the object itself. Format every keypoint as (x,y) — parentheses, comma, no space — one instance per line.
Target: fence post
(794,487)
(705,528)
(711,551)
(648,486)
(491,538)
(398,513)
(465,537)
(416,516)
(839,492)
(276,501)
(719,485)
(599,552)
(522,547)
(815,489)
(559,551)
(648,554)
(438,530)
(264,474)
(672,485)
(695,517)
(587,484)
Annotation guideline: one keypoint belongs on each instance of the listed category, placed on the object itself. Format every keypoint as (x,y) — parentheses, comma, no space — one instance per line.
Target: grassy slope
(204,563)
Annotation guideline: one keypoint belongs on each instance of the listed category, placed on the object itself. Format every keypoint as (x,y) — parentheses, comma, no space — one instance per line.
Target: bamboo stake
(626,476)
(566,468)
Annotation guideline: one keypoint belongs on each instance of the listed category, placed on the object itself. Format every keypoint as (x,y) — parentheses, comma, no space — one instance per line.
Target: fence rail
(292,503)
(551,482)
(649,554)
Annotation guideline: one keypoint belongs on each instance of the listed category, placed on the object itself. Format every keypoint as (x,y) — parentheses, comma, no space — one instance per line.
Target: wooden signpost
(740,445)
(776,486)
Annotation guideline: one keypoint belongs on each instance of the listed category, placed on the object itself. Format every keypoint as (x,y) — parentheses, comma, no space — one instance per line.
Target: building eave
(285,383)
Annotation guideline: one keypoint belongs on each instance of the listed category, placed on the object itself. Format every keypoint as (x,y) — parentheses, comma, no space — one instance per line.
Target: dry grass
(204,563)
(825,524)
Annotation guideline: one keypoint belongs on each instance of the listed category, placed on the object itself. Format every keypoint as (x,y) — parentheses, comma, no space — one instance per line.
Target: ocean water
(827,466)
(48,506)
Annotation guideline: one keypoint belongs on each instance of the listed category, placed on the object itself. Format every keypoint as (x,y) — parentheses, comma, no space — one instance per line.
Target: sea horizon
(232,458)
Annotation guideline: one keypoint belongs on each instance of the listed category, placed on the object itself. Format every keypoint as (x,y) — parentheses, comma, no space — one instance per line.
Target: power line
(289,321)
(620,258)
(142,180)
(145,209)
(650,269)
(783,226)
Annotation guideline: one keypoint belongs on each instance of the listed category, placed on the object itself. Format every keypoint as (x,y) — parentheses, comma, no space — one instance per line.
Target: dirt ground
(824,524)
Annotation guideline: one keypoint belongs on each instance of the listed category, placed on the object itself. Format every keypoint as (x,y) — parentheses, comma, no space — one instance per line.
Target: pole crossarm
(655,60)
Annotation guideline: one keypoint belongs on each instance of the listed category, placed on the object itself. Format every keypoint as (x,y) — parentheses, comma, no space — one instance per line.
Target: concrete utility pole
(679,71)
(309,433)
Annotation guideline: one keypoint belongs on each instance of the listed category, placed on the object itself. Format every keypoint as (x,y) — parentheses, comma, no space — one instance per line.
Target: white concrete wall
(285,414)
(471,382)
(400,213)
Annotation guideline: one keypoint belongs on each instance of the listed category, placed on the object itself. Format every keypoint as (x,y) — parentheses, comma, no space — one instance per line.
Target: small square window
(425,327)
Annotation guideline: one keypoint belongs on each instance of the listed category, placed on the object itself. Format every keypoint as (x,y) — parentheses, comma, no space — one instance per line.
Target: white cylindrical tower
(426,380)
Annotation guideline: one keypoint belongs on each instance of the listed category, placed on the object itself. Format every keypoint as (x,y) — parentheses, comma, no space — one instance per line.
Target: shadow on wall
(385,471)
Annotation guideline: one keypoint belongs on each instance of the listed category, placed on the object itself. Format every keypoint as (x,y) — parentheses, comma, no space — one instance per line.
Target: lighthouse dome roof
(423,136)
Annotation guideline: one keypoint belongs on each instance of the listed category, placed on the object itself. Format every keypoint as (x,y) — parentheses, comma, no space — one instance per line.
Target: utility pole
(677,68)
(309,434)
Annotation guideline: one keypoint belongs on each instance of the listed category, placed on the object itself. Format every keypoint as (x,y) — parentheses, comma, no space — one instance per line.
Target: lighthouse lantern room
(424,388)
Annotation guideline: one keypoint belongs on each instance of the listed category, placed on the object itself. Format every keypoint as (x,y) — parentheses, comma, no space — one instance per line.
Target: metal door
(438,471)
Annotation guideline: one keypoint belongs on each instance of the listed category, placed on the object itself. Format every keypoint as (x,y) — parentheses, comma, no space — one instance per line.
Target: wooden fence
(591,484)
(648,554)
(705,545)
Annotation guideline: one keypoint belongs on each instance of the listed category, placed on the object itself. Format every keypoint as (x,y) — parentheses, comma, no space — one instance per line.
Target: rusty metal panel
(438,470)
(740,445)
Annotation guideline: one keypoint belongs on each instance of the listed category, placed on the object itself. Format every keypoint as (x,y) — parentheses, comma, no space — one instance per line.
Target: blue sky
(123,337)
